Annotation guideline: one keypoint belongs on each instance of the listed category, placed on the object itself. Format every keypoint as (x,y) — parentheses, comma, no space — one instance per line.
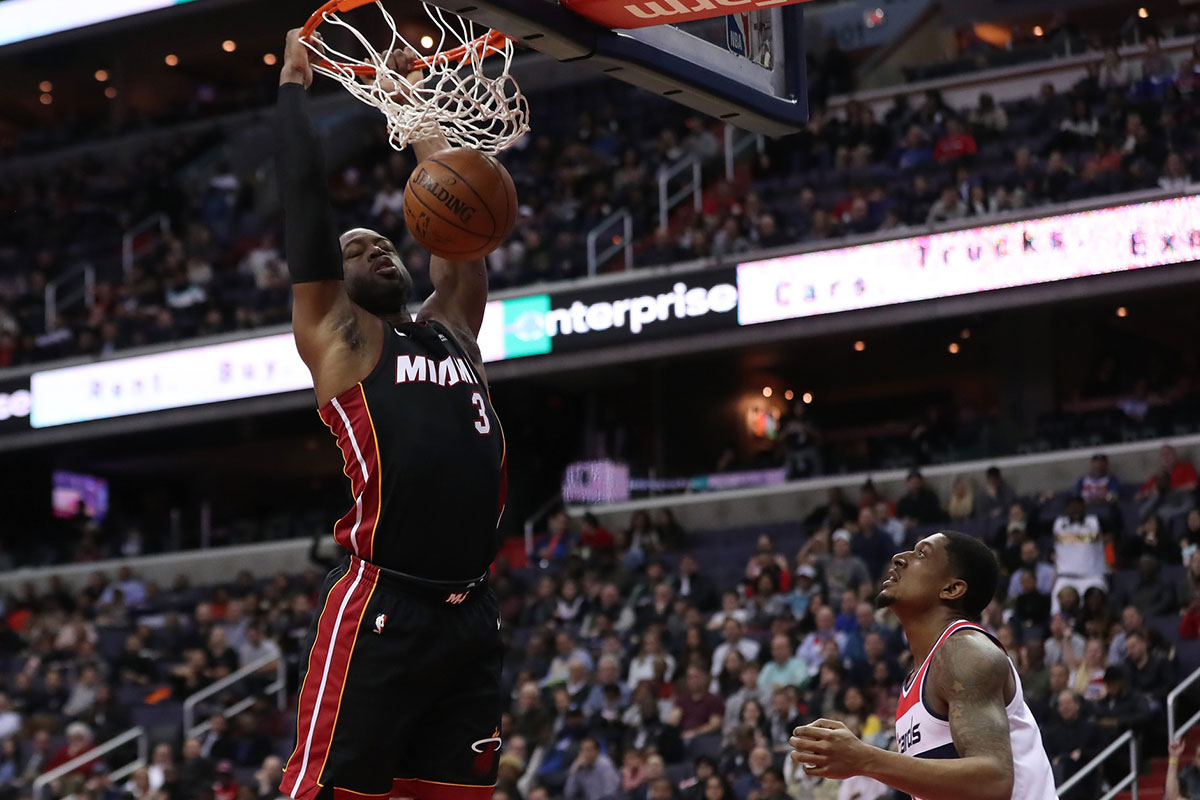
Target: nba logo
(380,621)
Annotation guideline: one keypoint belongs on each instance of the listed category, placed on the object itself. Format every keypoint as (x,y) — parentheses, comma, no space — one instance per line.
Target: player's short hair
(975,563)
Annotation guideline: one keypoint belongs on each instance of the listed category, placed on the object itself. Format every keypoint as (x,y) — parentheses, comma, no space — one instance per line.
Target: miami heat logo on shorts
(486,753)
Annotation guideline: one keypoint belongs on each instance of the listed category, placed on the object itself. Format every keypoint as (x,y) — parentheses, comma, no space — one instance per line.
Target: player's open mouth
(892,577)
(384,266)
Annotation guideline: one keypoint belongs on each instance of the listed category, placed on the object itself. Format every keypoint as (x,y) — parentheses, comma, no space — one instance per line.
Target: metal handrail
(95,753)
(666,200)
(127,254)
(542,511)
(734,147)
(51,297)
(1172,732)
(1129,780)
(278,687)
(623,242)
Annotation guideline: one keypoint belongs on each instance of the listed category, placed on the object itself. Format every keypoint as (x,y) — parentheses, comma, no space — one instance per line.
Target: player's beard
(382,300)
(883,600)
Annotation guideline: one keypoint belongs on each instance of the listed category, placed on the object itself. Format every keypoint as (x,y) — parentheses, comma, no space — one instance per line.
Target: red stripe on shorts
(328,663)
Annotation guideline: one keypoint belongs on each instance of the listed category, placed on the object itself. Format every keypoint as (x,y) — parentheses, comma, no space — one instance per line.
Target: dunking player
(962,712)
(401,697)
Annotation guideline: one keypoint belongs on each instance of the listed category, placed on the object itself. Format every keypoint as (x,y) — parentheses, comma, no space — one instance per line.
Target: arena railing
(1128,782)
(694,188)
(129,254)
(1173,732)
(278,687)
(620,241)
(137,733)
(735,145)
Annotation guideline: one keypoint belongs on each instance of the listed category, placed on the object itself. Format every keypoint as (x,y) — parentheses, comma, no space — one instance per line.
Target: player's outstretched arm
(975,675)
(460,288)
(321,310)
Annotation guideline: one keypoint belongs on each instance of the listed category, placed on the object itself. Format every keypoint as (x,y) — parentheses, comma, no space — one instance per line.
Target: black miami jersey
(425,455)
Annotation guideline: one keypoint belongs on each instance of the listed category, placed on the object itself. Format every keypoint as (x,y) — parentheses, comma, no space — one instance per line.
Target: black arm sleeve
(310,242)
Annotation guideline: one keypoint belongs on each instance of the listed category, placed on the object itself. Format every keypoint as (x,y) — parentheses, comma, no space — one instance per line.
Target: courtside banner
(1003,256)
(613,314)
(190,376)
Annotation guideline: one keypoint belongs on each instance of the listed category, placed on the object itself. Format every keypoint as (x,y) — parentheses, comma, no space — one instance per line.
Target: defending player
(962,712)
(401,696)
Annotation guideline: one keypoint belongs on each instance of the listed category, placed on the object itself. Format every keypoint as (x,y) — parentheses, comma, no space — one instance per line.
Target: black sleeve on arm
(310,242)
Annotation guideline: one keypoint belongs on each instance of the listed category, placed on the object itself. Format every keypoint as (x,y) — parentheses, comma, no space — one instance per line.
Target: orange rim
(463,54)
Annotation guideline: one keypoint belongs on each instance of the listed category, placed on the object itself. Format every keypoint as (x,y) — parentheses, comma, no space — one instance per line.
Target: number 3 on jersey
(483,424)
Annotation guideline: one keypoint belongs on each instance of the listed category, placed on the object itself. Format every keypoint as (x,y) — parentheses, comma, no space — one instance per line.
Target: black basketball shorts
(401,695)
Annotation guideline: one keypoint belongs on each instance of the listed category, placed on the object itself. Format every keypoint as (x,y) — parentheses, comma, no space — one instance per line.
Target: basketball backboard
(745,68)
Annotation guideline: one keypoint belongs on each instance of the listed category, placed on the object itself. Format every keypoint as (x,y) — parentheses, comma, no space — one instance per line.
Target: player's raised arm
(321,309)
(460,288)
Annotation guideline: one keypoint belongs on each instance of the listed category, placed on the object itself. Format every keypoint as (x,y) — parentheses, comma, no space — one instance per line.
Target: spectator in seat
(1064,645)
(1175,176)
(843,570)
(1078,551)
(759,763)
(782,719)
(871,544)
(1114,71)
(784,668)
(1071,741)
(1087,680)
(961,504)
(919,505)
(1098,485)
(1132,620)
(811,650)
(594,539)
(735,639)
(79,740)
(1031,561)
(888,523)
(1156,65)
(1189,543)
(949,207)
(1189,623)
(1151,594)
(731,608)
(956,144)
(1031,608)
(834,512)
(1120,709)
(748,692)
(641,668)
(988,118)
(195,771)
(997,496)
(593,774)
(695,586)
(1148,672)
(1169,492)
(1151,538)
(701,711)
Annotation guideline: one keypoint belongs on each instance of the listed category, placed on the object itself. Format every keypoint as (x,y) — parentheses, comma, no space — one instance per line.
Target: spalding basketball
(460,204)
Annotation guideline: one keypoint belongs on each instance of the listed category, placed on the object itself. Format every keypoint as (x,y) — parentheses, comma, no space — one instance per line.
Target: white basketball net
(454,98)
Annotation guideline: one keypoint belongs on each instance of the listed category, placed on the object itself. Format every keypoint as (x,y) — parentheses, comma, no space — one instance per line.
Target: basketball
(460,204)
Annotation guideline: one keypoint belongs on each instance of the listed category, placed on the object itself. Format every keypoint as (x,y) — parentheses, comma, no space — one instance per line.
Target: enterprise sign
(570,321)
(966,262)
(1130,237)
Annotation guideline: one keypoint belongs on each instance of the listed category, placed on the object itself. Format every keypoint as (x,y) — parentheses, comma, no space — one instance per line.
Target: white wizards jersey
(922,733)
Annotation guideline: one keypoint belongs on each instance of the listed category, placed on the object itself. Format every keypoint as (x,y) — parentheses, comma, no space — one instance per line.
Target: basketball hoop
(454,98)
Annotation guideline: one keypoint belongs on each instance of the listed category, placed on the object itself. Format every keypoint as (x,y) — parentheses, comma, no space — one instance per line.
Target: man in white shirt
(810,650)
(1078,552)
(733,638)
(257,646)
